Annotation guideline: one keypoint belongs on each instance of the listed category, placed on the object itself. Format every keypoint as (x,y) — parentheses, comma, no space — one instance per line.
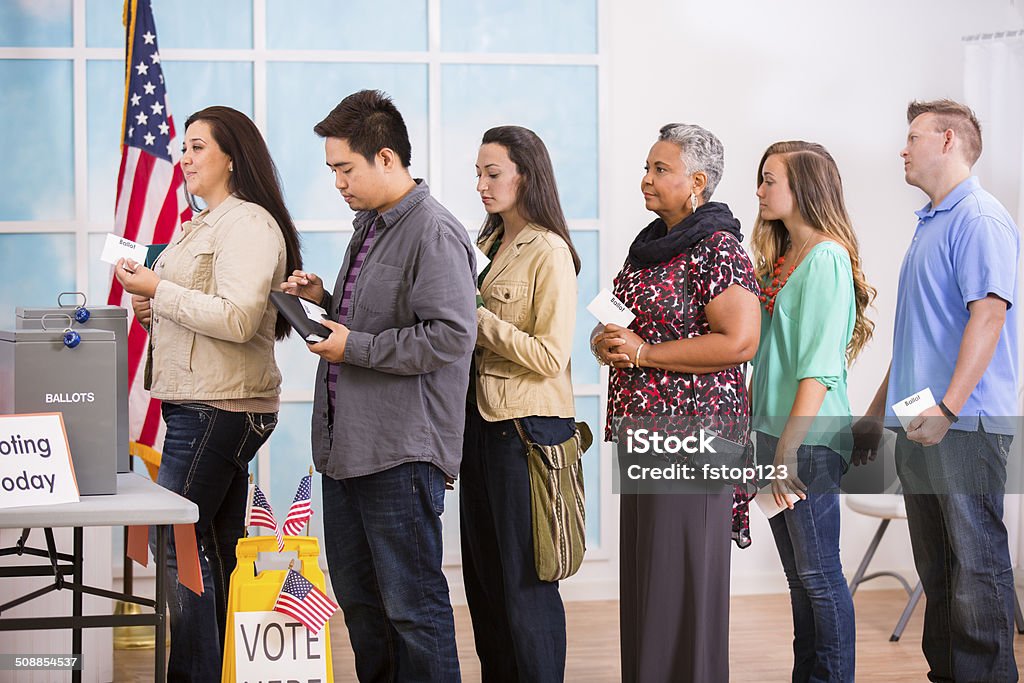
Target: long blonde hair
(818,191)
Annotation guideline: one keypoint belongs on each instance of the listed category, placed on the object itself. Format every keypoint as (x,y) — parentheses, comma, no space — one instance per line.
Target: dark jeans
(518,620)
(807,538)
(206,460)
(382,533)
(961,553)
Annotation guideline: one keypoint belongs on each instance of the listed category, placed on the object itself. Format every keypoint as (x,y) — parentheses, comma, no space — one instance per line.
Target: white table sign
(273,646)
(35,461)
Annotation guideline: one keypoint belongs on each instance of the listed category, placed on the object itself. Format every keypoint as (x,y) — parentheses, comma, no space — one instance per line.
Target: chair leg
(858,576)
(907,612)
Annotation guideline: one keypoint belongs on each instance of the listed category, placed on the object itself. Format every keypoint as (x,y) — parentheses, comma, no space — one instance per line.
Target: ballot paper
(912,406)
(117,247)
(608,310)
(312,311)
(766,501)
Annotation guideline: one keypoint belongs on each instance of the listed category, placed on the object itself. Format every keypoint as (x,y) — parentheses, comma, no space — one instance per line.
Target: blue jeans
(518,620)
(382,533)
(807,538)
(206,460)
(954,497)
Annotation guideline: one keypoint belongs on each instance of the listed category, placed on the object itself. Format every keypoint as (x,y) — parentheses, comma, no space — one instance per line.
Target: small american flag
(300,512)
(261,514)
(302,600)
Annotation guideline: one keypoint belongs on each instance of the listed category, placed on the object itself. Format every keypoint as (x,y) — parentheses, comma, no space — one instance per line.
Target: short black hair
(368,121)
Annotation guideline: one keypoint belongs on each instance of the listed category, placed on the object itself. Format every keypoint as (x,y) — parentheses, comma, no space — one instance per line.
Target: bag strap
(522,432)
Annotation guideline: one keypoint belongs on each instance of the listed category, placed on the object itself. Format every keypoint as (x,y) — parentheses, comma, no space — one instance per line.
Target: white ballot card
(912,406)
(117,247)
(607,308)
(766,501)
(312,311)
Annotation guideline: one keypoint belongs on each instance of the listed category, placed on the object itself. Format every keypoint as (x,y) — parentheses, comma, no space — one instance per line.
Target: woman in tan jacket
(211,362)
(526,315)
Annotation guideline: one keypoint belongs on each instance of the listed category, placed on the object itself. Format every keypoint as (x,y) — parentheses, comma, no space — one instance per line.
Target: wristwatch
(950,415)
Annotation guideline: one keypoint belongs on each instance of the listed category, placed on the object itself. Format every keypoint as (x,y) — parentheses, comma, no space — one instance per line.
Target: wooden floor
(760,639)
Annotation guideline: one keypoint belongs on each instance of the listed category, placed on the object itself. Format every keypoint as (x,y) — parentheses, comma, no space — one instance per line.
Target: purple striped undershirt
(346,301)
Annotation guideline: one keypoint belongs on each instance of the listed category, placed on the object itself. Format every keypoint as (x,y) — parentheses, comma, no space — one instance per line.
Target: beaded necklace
(769,292)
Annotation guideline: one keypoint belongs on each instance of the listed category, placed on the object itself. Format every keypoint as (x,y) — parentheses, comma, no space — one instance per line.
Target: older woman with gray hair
(679,364)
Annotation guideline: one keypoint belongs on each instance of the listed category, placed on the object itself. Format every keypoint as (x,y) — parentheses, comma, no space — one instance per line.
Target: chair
(887,506)
(890,506)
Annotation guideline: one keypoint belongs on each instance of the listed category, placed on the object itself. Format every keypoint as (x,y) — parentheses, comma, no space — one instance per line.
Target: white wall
(754,72)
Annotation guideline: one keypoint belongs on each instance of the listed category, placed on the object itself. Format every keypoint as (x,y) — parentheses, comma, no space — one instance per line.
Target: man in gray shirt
(390,398)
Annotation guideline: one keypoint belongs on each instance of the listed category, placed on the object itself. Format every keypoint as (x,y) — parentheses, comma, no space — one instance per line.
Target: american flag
(150,204)
(300,512)
(259,513)
(302,600)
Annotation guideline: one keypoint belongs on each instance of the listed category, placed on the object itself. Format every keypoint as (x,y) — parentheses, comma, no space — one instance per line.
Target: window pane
(38,173)
(300,95)
(333,25)
(31,23)
(588,410)
(192,86)
(180,23)
(321,254)
(584,368)
(27,275)
(105,104)
(559,103)
(523,26)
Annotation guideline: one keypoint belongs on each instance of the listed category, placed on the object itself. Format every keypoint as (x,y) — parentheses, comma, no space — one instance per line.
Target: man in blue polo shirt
(955,334)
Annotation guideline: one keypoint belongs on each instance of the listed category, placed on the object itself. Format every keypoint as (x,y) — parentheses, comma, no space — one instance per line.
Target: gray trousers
(674,552)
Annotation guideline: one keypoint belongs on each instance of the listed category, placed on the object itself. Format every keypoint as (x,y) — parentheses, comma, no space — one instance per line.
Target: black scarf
(657,244)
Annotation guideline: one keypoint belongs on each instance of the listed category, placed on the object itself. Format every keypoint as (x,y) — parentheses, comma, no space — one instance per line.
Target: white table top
(138,501)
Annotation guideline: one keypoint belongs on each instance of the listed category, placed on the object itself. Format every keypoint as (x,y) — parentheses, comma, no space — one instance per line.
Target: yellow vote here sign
(35,461)
(270,646)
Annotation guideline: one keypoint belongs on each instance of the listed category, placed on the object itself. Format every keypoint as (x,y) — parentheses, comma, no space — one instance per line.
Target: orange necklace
(769,292)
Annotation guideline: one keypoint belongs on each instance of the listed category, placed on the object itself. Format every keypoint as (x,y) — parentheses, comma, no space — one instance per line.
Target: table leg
(76,603)
(127,586)
(160,665)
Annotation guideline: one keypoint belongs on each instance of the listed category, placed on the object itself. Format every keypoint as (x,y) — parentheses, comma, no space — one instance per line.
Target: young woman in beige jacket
(526,317)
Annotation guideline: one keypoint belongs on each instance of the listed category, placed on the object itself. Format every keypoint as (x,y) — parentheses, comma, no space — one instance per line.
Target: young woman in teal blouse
(813,325)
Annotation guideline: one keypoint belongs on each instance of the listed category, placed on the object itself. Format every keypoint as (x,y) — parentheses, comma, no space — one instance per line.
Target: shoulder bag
(557,502)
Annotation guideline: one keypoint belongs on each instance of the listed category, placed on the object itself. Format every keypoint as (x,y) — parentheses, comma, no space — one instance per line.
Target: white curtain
(994,88)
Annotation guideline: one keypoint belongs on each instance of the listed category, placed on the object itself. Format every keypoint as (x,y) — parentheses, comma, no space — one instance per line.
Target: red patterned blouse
(655,295)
